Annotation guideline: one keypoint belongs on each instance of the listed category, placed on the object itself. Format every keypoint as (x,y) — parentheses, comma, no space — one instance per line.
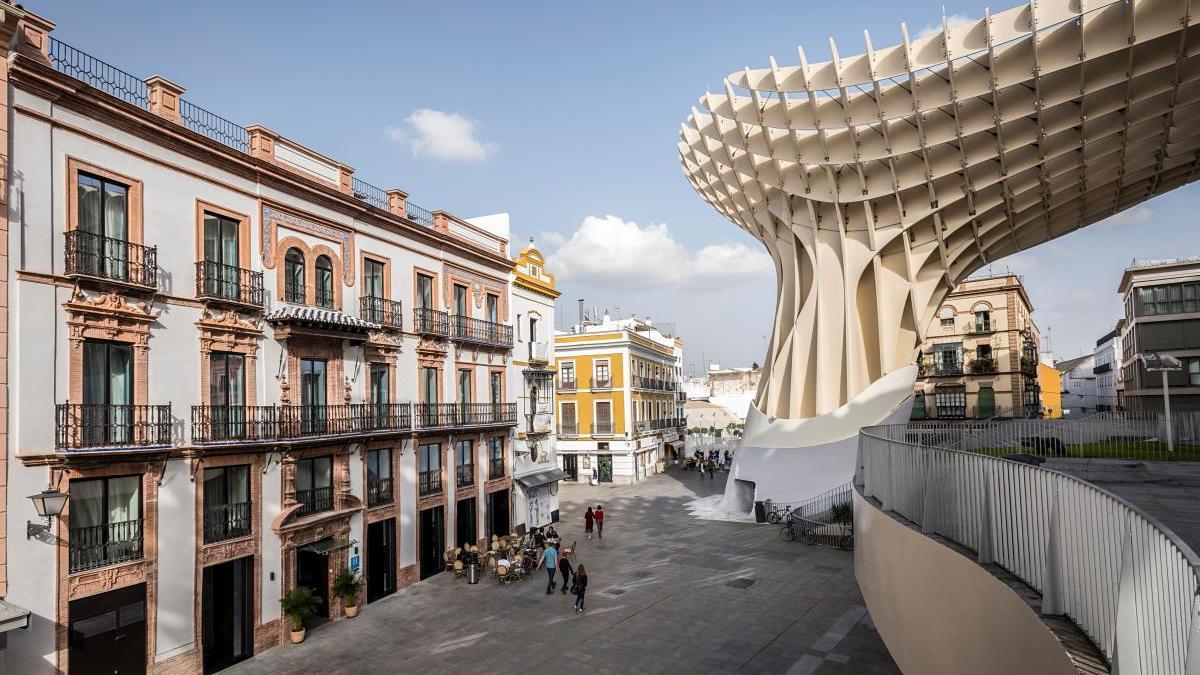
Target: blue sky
(566,115)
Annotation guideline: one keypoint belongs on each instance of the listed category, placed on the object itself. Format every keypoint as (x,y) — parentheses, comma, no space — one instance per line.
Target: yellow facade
(1050,381)
(586,393)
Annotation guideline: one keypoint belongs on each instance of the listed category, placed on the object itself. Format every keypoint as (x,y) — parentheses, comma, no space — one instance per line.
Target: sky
(566,115)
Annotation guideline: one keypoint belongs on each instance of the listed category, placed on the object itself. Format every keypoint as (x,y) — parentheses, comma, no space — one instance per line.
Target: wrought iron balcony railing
(480,332)
(323,297)
(315,500)
(293,293)
(465,474)
(382,311)
(602,382)
(654,384)
(566,384)
(496,468)
(379,491)
(216,281)
(980,327)
(429,482)
(602,428)
(568,428)
(441,415)
(102,545)
(93,426)
(227,521)
(982,365)
(100,257)
(216,424)
(431,322)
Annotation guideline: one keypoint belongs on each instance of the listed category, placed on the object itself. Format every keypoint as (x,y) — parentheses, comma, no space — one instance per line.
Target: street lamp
(1163,363)
(49,504)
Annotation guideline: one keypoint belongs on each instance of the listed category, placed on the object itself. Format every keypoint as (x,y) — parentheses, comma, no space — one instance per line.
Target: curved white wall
(940,613)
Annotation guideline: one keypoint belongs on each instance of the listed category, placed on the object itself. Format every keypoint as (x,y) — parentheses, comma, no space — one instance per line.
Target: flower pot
(297,636)
(351,611)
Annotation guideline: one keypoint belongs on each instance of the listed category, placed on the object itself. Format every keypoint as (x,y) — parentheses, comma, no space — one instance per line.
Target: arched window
(293,276)
(324,282)
(947,317)
(983,318)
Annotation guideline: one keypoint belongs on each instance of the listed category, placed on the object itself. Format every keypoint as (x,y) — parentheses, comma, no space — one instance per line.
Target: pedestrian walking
(580,587)
(589,520)
(550,560)
(564,566)
(599,515)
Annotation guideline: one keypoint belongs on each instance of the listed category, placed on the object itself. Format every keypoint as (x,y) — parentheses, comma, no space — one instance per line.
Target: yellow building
(617,399)
(1050,381)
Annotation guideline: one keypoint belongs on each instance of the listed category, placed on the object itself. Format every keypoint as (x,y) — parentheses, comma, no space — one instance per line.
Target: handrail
(1115,570)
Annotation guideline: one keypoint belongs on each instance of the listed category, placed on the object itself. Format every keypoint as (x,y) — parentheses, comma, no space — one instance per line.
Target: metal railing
(216,424)
(643,382)
(601,382)
(293,293)
(96,73)
(370,194)
(323,297)
(93,426)
(379,491)
(429,482)
(387,313)
(101,545)
(565,383)
(981,365)
(602,428)
(939,367)
(431,322)
(437,415)
(227,521)
(568,428)
(418,215)
(213,126)
(1115,571)
(218,281)
(495,468)
(465,474)
(95,255)
(315,500)
(980,327)
(480,332)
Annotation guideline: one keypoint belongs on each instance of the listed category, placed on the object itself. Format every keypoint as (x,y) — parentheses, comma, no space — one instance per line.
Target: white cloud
(952,20)
(1139,215)
(618,253)
(445,136)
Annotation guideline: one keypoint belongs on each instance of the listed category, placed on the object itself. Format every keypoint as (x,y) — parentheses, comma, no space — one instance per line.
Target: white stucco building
(1080,396)
(1107,369)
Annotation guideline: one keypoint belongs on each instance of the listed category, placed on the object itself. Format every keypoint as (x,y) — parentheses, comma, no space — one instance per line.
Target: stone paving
(667,594)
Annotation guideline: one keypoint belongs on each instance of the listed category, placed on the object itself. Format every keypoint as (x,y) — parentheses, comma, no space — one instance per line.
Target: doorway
(381,559)
(108,633)
(465,522)
(312,570)
(498,522)
(987,403)
(227,613)
(604,470)
(432,529)
(571,466)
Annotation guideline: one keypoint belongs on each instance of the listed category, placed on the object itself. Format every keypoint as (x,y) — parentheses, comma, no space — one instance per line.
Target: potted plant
(346,587)
(299,604)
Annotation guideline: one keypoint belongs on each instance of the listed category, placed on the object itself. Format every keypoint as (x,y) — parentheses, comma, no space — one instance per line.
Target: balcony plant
(346,586)
(983,364)
(299,604)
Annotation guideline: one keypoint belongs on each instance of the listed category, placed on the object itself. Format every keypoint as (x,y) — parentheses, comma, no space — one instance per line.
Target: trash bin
(473,573)
(760,512)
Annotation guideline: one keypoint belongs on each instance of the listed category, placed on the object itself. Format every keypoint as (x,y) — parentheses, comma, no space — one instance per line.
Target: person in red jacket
(588,519)
(599,515)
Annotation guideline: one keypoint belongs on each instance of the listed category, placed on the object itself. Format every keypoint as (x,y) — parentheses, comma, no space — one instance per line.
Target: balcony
(465,475)
(1028,364)
(539,353)
(496,468)
(566,384)
(641,382)
(102,545)
(386,313)
(379,491)
(648,426)
(945,367)
(602,382)
(220,283)
(315,500)
(95,426)
(460,415)
(430,322)
(980,327)
(227,521)
(483,333)
(429,482)
(983,365)
(568,428)
(94,256)
(602,428)
(223,424)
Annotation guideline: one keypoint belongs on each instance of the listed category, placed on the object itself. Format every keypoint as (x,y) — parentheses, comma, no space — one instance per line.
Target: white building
(1079,393)
(1107,369)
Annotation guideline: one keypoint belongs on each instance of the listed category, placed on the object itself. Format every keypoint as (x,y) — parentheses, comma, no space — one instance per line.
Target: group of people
(713,462)
(558,561)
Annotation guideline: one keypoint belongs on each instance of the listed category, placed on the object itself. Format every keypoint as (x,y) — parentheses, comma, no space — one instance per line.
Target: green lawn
(1150,450)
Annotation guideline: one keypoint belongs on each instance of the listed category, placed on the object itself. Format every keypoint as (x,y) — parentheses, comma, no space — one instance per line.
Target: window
(226,395)
(535,271)
(293,276)
(1168,299)
(460,300)
(567,423)
(493,308)
(312,396)
(947,358)
(429,468)
(495,457)
(950,403)
(379,477)
(566,375)
(1193,371)
(429,384)
(221,260)
(373,309)
(464,386)
(108,413)
(918,411)
(496,388)
(324,282)
(424,291)
(603,424)
(983,318)
(946,315)
(105,521)
(226,503)
(380,396)
(464,463)
(983,351)
(102,227)
(533,322)
(602,376)
(314,484)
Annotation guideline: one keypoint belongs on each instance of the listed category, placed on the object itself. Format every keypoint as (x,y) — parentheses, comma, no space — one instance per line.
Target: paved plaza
(668,594)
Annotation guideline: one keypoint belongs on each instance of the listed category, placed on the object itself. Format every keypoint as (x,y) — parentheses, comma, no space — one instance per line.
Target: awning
(328,545)
(12,617)
(542,477)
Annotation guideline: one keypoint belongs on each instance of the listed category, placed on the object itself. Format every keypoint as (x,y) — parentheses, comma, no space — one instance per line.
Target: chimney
(581,311)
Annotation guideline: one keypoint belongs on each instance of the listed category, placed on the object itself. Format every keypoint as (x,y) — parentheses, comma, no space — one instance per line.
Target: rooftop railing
(1116,572)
